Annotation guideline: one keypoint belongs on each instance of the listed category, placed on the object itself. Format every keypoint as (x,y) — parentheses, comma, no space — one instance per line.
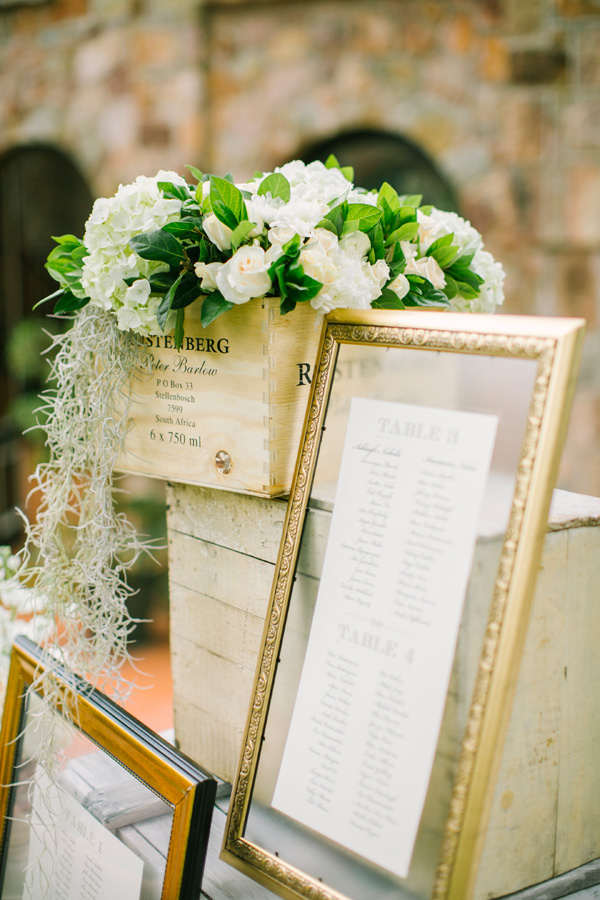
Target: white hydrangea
(349,280)
(314,189)
(439,223)
(136,208)
(492,290)
(468,240)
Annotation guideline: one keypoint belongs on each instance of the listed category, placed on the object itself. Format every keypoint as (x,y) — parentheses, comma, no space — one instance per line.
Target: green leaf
(445,256)
(387,300)
(277,274)
(227,202)
(425,294)
(300,286)
(413,200)
(444,241)
(408,214)
(466,259)
(198,175)
(377,243)
(212,306)
(161,281)
(164,307)
(241,233)
(185,291)
(462,273)
(179,333)
(51,296)
(69,303)
(361,217)
(335,217)
(158,245)
(466,290)
(406,232)
(450,288)
(347,171)
(286,306)
(189,226)
(277,186)
(388,194)
(68,240)
(174,191)
(426,210)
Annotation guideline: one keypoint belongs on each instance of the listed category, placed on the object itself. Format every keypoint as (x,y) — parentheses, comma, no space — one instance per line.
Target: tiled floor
(152,699)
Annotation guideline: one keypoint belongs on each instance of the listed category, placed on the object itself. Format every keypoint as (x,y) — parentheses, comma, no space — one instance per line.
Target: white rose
(254,216)
(380,272)
(357,243)
(427,267)
(244,276)
(327,239)
(409,249)
(400,286)
(317,264)
(208,273)
(217,232)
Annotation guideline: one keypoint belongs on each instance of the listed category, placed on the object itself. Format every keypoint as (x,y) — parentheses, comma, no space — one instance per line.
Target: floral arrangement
(302,233)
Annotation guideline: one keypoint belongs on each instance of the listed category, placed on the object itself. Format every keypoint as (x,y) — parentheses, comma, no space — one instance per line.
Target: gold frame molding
(556,346)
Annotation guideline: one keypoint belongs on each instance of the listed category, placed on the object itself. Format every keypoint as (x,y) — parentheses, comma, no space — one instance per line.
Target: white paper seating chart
(90,863)
(366,720)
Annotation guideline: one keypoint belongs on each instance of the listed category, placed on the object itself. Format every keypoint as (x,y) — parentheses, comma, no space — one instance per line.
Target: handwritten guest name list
(366,720)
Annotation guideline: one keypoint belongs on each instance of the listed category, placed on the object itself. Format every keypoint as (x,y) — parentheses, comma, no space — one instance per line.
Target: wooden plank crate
(545,818)
(227,409)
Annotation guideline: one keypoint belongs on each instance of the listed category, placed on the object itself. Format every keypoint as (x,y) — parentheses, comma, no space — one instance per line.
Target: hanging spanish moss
(80,547)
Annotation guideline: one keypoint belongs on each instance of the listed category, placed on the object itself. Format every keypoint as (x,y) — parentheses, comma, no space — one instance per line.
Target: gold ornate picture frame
(522,370)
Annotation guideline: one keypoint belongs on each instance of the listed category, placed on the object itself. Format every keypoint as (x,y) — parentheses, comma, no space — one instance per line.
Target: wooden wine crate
(545,818)
(227,409)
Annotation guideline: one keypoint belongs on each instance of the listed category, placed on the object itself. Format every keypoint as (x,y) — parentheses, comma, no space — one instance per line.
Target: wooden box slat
(240,392)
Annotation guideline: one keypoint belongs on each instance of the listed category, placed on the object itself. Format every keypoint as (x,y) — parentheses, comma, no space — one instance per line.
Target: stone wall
(504,95)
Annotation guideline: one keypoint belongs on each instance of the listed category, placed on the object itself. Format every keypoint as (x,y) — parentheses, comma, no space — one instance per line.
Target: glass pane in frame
(520,372)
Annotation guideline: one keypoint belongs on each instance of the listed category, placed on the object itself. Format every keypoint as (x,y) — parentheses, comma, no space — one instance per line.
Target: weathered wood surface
(545,817)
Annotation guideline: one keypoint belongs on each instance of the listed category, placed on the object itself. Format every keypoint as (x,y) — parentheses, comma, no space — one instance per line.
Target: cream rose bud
(427,267)
(254,216)
(244,276)
(317,264)
(380,272)
(357,243)
(327,239)
(217,232)
(400,286)
(208,273)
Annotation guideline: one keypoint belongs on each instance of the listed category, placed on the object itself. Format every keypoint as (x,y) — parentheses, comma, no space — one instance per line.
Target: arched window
(379,156)
(41,194)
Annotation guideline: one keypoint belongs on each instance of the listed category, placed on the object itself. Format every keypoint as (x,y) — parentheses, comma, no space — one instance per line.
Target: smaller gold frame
(187,793)
(553,347)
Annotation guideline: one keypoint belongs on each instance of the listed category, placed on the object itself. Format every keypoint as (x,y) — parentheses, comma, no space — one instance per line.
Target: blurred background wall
(491,107)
